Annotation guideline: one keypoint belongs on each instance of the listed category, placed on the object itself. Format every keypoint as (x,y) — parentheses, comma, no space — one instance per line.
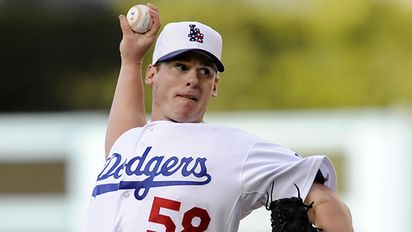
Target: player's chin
(187,115)
(186,120)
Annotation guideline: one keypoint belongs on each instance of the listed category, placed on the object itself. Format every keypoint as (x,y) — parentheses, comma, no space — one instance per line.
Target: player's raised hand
(134,46)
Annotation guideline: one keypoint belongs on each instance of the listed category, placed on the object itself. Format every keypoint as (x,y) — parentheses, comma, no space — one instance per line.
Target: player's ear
(151,72)
(214,93)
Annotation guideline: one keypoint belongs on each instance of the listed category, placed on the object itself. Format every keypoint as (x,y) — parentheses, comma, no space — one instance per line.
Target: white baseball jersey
(171,177)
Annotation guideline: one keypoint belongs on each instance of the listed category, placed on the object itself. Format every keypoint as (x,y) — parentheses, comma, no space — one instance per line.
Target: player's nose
(192,79)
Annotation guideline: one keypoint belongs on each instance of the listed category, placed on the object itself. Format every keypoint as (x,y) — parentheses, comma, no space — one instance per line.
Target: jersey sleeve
(268,165)
(127,141)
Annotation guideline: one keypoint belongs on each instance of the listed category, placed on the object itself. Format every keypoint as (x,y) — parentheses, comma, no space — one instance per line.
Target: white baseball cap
(177,38)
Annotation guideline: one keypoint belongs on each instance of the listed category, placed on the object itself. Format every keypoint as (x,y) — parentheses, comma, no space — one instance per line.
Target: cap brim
(214,59)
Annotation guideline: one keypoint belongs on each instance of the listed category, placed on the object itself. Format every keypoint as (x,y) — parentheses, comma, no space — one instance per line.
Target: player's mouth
(190,97)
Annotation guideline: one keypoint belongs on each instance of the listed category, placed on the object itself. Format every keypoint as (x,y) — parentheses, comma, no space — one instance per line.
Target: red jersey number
(188,216)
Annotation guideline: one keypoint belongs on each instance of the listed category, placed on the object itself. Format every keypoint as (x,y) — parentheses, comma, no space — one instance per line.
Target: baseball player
(178,173)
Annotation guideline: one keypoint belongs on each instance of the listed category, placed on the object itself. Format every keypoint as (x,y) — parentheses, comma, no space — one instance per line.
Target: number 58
(188,216)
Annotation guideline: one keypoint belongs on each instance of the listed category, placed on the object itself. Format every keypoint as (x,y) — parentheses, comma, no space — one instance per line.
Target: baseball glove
(290,215)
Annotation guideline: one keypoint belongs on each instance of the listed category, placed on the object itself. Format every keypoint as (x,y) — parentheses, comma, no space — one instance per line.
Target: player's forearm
(329,212)
(333,216)
(127,110)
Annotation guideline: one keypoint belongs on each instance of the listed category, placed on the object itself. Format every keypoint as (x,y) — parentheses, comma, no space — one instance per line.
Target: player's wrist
(131,62)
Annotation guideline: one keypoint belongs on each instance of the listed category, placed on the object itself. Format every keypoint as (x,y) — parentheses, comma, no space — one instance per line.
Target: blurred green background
(63,55)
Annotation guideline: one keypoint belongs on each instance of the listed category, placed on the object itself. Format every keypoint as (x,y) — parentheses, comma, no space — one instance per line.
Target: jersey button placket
(142,141)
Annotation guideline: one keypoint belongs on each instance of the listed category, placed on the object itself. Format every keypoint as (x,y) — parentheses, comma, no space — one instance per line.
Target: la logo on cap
(195,35)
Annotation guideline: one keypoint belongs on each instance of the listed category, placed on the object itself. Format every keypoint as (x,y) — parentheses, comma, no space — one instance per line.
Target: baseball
(139,18)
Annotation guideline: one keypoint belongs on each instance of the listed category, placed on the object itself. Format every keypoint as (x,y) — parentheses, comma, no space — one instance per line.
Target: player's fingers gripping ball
(139,18)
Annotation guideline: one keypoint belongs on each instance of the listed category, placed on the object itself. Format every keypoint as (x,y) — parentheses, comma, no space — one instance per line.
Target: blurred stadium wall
(48,163)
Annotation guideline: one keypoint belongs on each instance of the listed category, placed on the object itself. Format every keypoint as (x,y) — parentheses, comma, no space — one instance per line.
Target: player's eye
(206,71)
(181,67)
